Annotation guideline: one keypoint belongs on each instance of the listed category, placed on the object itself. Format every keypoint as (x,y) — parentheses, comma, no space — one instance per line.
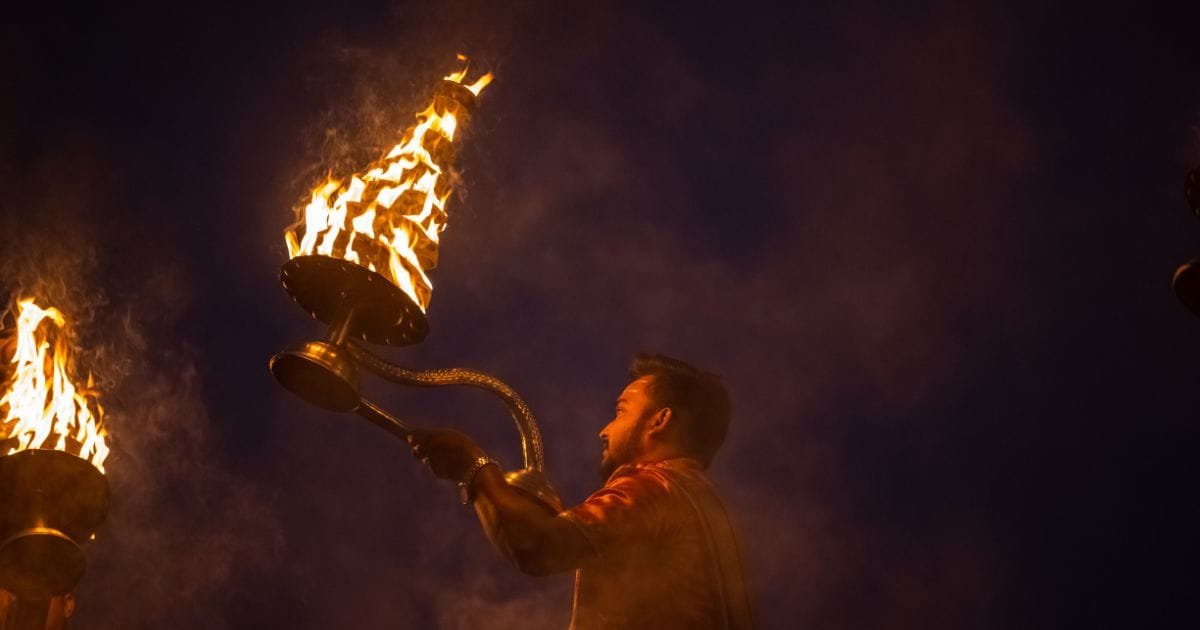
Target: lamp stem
(339,329)
(382,419)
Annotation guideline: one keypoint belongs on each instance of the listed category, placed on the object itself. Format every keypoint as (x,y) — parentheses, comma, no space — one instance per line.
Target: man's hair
(696,398)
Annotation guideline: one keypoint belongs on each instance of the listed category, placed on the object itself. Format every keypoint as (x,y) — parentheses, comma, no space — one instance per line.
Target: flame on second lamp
(42,407)
(389,218)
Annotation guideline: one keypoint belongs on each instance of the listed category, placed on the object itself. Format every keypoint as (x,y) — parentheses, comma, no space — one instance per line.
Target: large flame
(388,219)
(42,406)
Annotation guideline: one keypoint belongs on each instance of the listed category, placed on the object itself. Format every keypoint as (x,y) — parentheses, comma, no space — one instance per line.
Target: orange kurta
(664,553)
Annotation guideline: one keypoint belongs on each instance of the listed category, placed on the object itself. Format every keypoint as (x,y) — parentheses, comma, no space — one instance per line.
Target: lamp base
(41,562)
(49,502)
(328,287)
(319,373)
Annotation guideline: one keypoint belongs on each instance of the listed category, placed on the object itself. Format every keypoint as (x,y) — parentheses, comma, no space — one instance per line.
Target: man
(654,547)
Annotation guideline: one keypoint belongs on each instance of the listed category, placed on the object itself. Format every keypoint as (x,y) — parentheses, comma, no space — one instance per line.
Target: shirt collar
(673,462)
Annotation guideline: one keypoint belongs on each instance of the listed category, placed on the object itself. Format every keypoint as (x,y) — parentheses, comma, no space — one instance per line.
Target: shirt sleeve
(625,510)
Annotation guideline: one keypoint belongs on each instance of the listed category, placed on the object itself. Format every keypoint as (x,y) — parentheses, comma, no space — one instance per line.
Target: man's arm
(528,533)
(531,535)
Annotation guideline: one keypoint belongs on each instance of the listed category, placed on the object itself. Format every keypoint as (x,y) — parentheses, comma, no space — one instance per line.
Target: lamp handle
(531,436)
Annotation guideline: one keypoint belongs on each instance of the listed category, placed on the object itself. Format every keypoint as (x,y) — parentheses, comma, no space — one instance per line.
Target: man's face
(623,438)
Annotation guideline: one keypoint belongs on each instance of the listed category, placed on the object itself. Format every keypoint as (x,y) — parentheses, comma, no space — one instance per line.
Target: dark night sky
(930,249)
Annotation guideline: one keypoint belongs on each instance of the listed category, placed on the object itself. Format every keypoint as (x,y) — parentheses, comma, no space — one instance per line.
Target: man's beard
(626,452)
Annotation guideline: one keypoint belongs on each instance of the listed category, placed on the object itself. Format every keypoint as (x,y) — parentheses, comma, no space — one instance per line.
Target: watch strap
(464,486)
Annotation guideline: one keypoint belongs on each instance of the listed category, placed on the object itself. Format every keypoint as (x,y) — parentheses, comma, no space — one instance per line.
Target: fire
(389,218)
(42,407)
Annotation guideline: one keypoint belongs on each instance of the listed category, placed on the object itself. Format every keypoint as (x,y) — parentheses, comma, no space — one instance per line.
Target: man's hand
(527,532)
(448,453)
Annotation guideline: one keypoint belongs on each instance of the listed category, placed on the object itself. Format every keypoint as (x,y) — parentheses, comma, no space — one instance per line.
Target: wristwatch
(464,486)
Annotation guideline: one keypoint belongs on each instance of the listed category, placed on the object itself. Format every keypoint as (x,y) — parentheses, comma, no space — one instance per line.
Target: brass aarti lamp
(359,257)
(53,492)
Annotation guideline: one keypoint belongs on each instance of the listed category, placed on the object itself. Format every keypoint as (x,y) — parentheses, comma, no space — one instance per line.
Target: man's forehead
(637,387)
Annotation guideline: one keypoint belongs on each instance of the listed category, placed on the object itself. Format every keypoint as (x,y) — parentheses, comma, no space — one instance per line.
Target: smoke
(484,600)
(865,237)
(829,232)
(182,529)
(830,224)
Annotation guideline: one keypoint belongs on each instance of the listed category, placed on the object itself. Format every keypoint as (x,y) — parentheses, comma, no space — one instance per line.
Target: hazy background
(929,248)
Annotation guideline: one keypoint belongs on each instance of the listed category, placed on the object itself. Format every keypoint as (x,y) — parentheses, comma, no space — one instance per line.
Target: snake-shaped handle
(531,437)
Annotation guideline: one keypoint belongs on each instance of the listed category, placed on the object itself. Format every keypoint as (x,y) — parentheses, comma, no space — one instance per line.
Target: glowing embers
(388,218)
(42,406)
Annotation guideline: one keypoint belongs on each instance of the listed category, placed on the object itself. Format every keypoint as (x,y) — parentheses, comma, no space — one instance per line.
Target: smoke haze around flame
(181,529)
(905,236)
(839,304)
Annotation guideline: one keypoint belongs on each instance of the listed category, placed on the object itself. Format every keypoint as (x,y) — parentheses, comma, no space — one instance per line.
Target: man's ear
(660,421)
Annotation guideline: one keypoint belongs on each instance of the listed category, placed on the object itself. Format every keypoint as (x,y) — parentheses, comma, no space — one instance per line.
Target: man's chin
(607,468)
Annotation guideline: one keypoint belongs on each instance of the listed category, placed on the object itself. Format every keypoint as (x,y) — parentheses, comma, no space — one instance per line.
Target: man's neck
(662,452)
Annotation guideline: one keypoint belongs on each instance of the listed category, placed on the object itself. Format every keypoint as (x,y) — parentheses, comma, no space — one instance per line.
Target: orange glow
(42,406)
(389,218)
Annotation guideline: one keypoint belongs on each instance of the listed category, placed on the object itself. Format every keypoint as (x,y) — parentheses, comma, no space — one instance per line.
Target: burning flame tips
(389,218)
(42,406)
